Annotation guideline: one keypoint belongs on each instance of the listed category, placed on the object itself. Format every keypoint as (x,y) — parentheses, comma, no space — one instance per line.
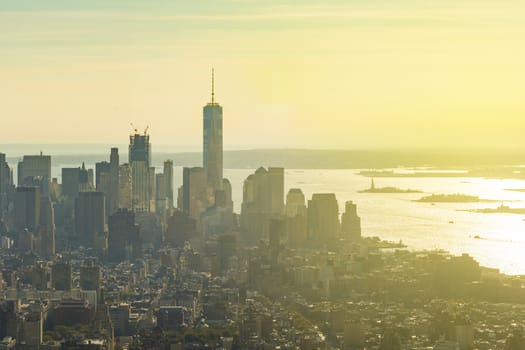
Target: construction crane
(146,130)
(134,128)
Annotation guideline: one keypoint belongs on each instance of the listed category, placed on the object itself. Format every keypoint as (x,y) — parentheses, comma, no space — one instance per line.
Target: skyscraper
(35,171)
(323,218)
(168,178)
(90,218)
(113,197)
(212,135)
(27,208)
(140,161)
(6,183)
(124,240)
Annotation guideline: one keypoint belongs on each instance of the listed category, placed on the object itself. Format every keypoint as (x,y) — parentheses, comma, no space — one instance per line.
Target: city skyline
(330,75)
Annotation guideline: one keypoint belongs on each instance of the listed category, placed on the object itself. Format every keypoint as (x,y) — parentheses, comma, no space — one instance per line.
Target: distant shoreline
(420,163)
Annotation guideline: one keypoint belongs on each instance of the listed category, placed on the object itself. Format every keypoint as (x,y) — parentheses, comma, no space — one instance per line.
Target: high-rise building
(350,222)
(276,179)
(263,197)
(161,196)
(168,179)
(6,184)
(125,192)
(100,168)
(90,218)
(212,137)
(70,182)
(35,171)
(90,276)
(27,208)
(323,218)
(296,221)
(113,196)
(140,162)
(61,275)
(124,240)
(194,194)
(46,230)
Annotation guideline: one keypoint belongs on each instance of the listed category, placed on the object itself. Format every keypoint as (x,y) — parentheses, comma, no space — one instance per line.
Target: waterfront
(395,216)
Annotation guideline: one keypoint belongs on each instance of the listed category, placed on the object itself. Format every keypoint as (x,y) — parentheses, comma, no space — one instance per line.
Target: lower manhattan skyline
(332,75)
(262,175)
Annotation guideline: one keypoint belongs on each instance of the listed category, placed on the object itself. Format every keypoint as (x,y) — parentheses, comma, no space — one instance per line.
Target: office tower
(152,189)
(124,241)
(168,179)
(70,182)
(61,275)
(276,179)
(140,161)
(32,332)
(350,222)
(263,197)
(85,179)
(181,228)
(9,310)
(113,197)
(323,218)
(195,199)
(33,170)
(212,137)
(296,221)
(295,203)
(90,218)
(100,168)
(90,276)
(46,230)
(40,276)
(6,184)
(125,192)
(161,196)
(119,315)
(27,208)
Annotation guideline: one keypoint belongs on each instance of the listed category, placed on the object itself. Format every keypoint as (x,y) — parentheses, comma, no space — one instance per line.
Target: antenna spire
(213,85)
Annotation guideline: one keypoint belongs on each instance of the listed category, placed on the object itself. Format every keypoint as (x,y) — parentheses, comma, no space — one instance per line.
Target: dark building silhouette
(70,312)
(61,275)
(27,208)
(6,184)
(70,182)
(101,171)
(113,195)
(90,276)
(168,179)
(181,228)
(90,218)
(124,240)
(350,222)
(9,325)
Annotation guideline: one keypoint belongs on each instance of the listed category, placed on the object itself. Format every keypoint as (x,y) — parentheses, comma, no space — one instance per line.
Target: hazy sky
(308,73)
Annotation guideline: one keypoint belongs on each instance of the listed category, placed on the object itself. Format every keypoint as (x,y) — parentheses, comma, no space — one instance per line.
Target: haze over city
(330,74)
(267,175)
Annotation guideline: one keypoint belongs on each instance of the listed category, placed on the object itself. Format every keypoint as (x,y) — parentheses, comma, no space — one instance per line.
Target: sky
(306,74)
